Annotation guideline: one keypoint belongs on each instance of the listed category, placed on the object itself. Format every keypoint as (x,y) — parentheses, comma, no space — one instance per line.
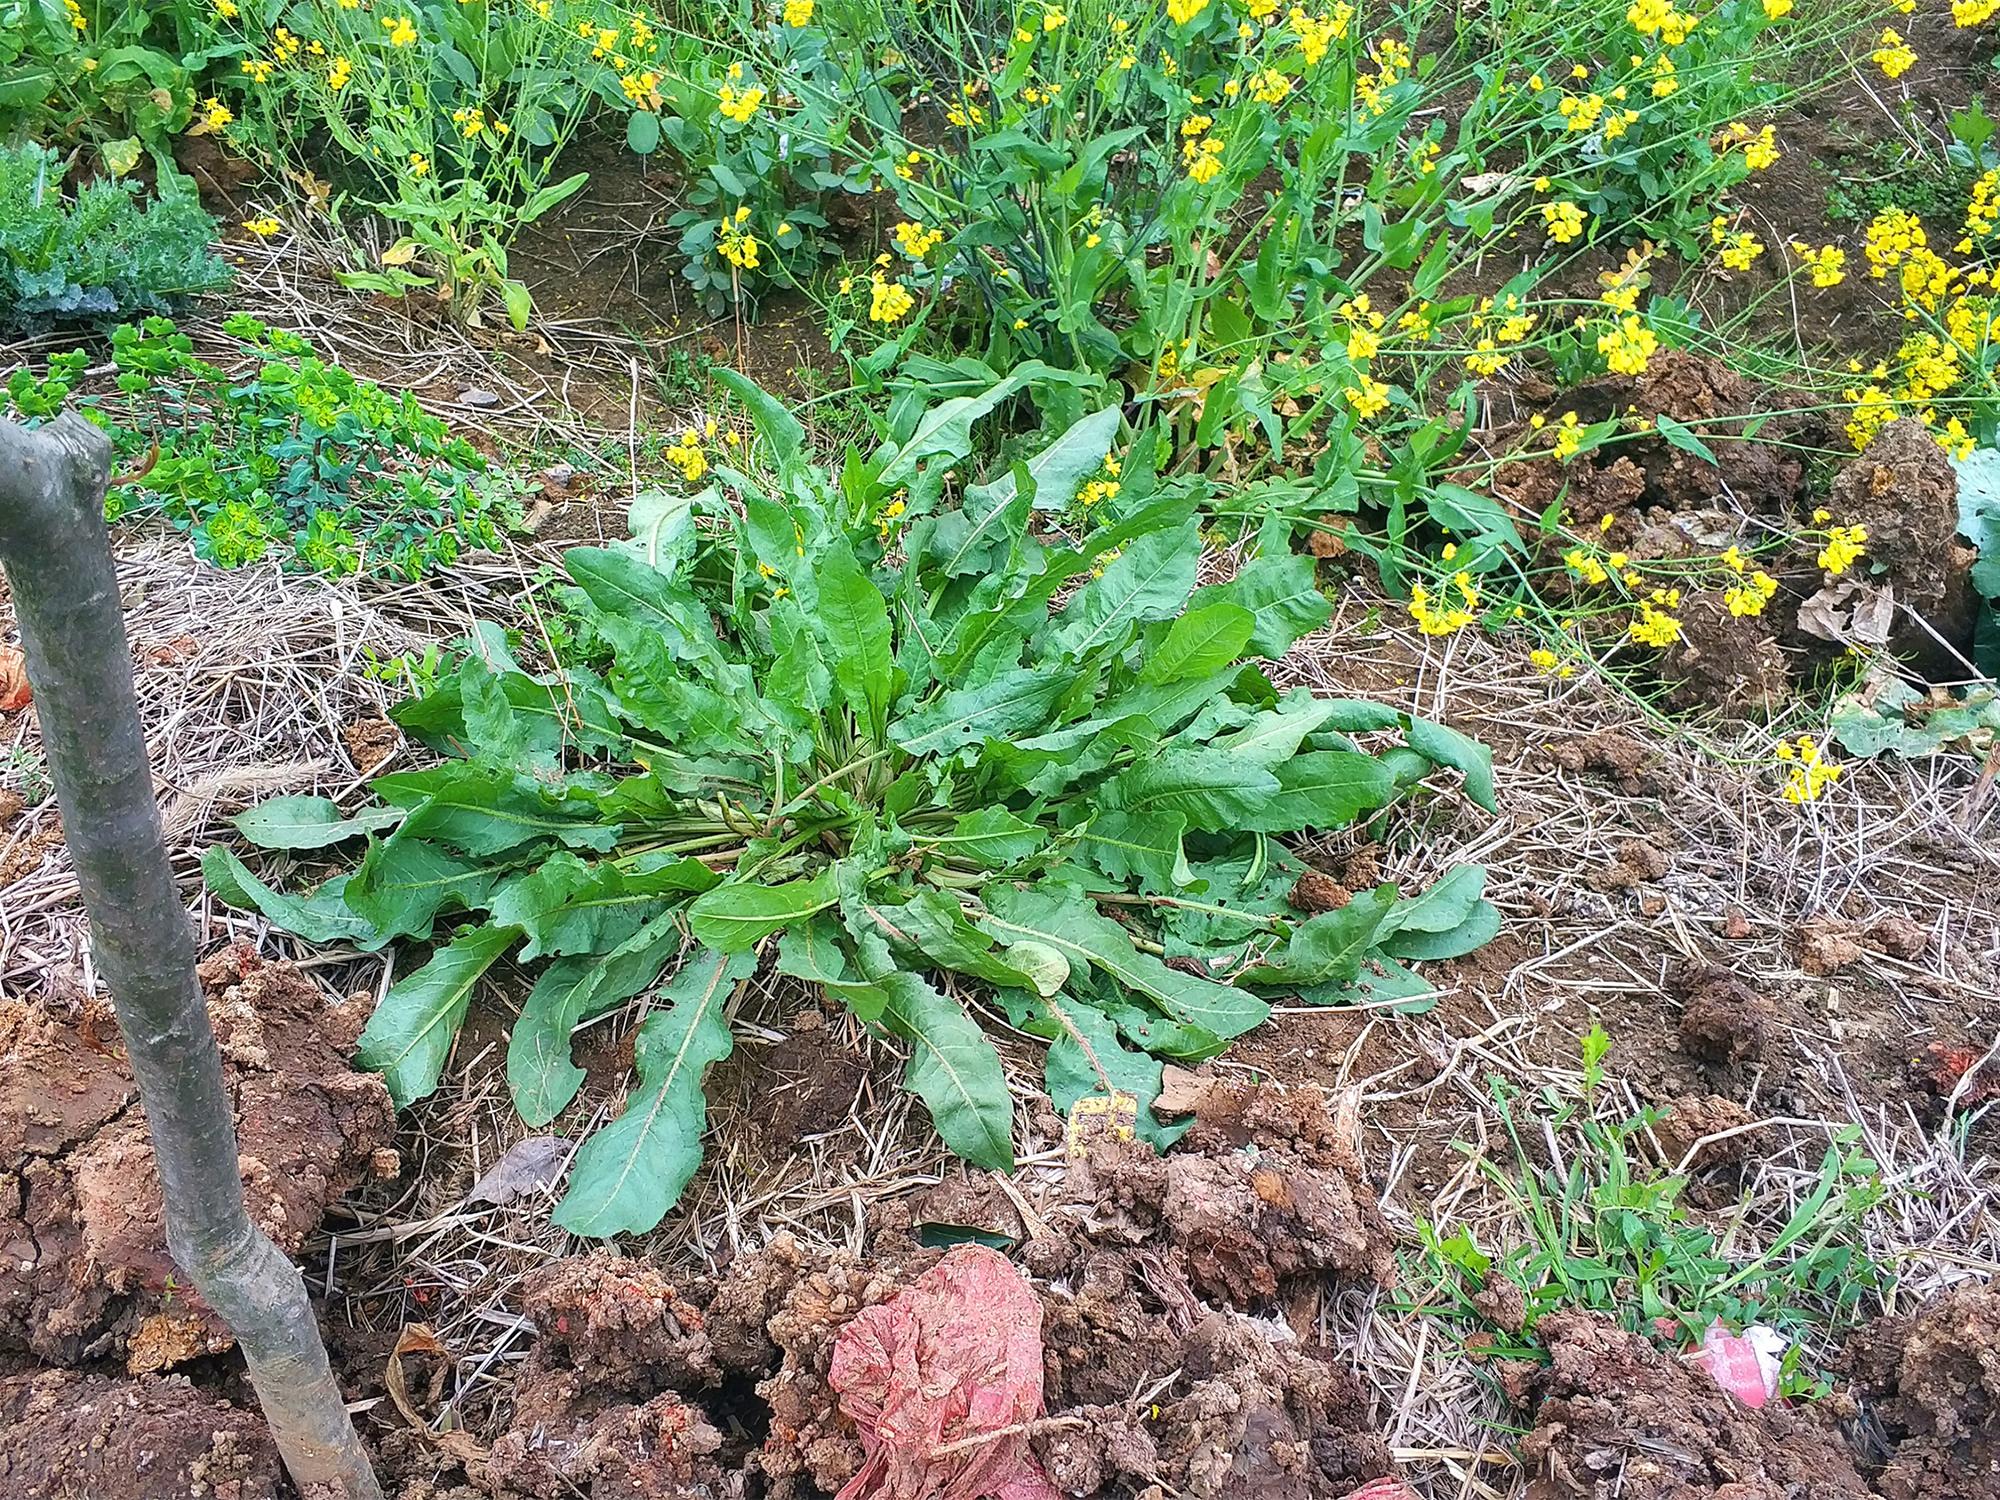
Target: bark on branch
(57,555)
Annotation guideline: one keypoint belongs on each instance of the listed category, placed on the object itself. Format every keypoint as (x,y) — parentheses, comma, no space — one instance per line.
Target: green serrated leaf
(954,1069)
(633,1170)
(738,915)
(309,822)
(1006,705)
(992,837)
(1149,580)
(1324,789)
(1144,848)
(403,883)
(1444,904)
(1202,641)
(933,926)
(409,1037)
(540,1073)
(854,622)
(1087,939)
(1447,747)
(1282,595)
(1213,789)
(1327,948)
(1476,931)
(323,917)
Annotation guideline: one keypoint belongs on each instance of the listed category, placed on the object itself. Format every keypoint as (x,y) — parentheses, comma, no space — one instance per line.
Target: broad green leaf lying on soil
(1015,771)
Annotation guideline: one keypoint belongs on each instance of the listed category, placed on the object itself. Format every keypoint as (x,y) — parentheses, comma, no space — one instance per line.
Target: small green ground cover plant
(947,769)
(281,455)
(1603,1229)
(102,252)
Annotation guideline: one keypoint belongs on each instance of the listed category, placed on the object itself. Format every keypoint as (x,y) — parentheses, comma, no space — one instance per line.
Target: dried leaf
(417,1338)
(14,693)
(529,1166)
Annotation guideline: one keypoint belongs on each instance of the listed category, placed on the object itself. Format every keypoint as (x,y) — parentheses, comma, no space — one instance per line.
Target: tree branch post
(56,551)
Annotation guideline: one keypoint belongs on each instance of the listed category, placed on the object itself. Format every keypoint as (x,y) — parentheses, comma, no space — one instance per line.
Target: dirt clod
(83,1258)
(1637,862)
(1621,1418)
(1605,752)
(66,1436)
(370,742)
(1930,1392)
(1904,492)
(1723,1020)
(1316,891)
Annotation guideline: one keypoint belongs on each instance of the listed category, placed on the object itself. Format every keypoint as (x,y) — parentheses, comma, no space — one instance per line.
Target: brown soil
(1146,1275)
(1620,1418)
(1929,1388)
(1654,501)
(68,1436)
(1904,492)
(84,1270)
(370,742)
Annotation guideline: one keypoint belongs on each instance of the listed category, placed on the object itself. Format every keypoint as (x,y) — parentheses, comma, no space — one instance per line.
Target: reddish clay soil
(1616,1417)
(1929,1389)
(1147,1279)
(84,1270)
(69,1436)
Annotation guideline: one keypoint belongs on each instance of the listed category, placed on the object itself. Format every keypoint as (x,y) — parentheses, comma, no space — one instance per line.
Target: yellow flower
(1180,12)
(1369,398)
(1569,437)
(1270,86)
(1777,10)
(1809,775)
(226,9)
(798,12)
(1826,263)
(888,300)
(686,455)
(338,74)
(420,164)
(1894,56)
(1974,12)
(257,70)
(401,32)
(1843,548)
(1628,345)
(739,107)
(1054,19)
(1655,627)
(1563,220)
(915,241)
(215,115)
(1547,662)
(263,226)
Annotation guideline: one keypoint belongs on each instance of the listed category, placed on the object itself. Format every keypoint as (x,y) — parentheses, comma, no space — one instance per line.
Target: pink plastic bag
(1746,1364)
(942,1381)
(1383,1489)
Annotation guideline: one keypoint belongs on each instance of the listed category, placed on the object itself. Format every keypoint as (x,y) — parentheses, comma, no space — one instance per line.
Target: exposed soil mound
(1621,1418)
(65,1436)
(1723,1020)
(1261,1191)
(1154,1371)
(1760,476)
(84,1269)
(1930,1392)
(1904,491)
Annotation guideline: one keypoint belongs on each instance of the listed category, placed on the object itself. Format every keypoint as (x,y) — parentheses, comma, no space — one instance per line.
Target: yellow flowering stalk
(1809,774)
(1893,55)
(1563,221)
(1843,548)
